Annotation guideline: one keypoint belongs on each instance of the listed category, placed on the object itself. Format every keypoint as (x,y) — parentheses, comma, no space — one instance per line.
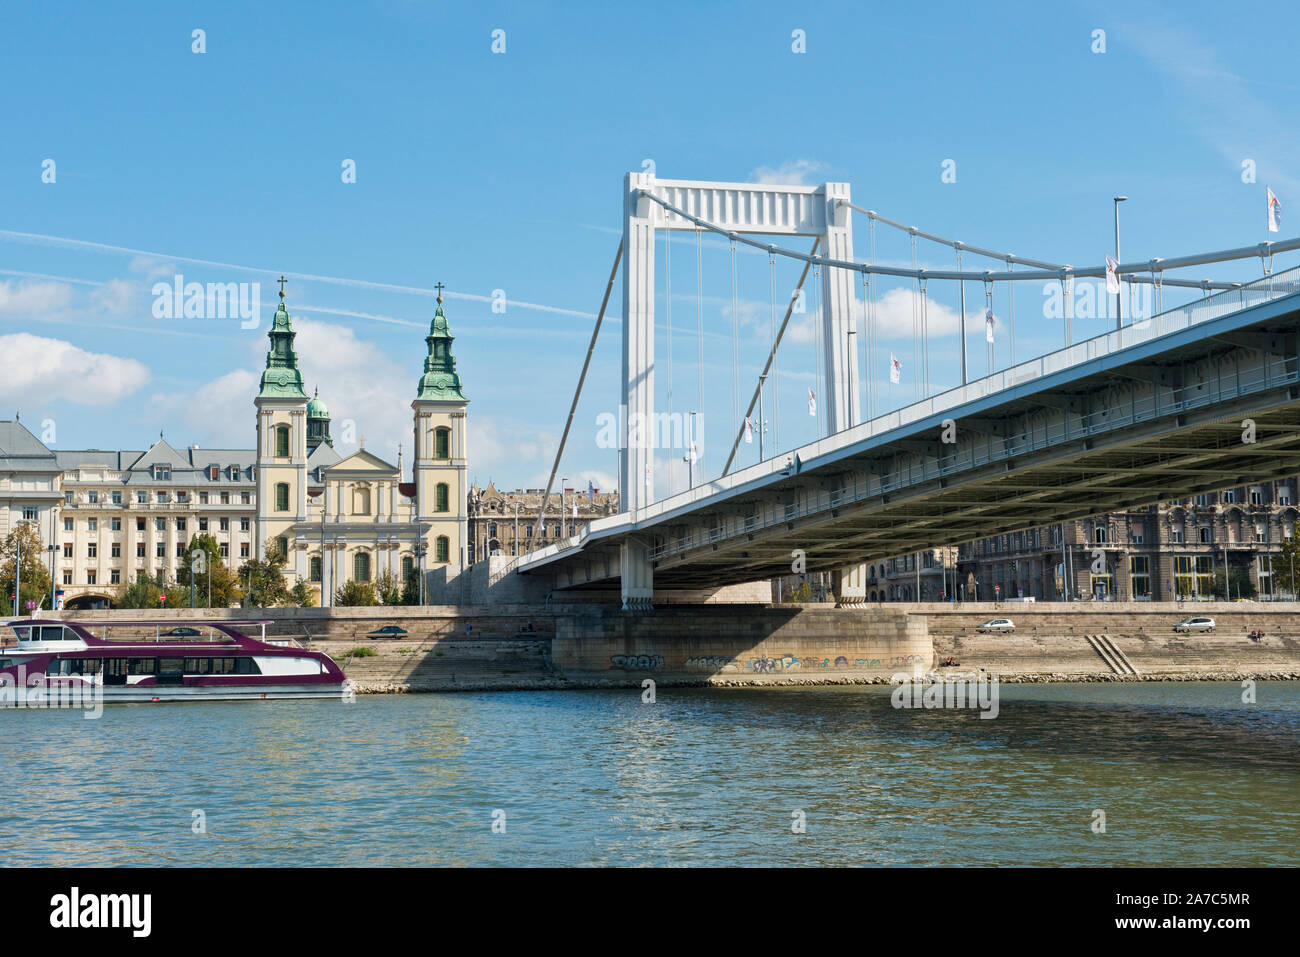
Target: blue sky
(503,171)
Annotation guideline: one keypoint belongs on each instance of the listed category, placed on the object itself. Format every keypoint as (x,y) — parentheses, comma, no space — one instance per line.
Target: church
(337,518)
(106,516)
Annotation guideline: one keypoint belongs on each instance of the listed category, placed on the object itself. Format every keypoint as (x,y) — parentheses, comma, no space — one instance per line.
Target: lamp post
(514,548)
(420,549)
(1118,319)
(563,515)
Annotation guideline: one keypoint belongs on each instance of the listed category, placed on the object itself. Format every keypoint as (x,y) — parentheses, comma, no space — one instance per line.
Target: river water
(1186,774)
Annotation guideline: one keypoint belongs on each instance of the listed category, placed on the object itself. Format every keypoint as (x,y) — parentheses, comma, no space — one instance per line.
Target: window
(162,473)
(182,497)
(281,497)
(407,566)
(93,496)
(1230,496)
(67,524)
(203,525)
(492,530)
(67,498)
(528,531)
(1284,495)
(203,498)
(1261,532)
(223,525)
(214,472)
(1204,533)
(161,550)
(313,568)
(442,498)
(282,441)
(141,497)
(1205,501)
(139,549)
(243,524)
(1139,572)
(180,549)
(1256,495)
(1176,533)
(361,500)
(243,549)
(67,549)
(1100,534)
(160,524)
(163,498)
(442,549)
(116,524)
(92,550)
(557,530)
(246,498)
(225,550)
(92,524)
(117,498)
(115,576)
(225,498)
(67,578)
(90,577)
(180,524)
(361,567)
(139,524)
(115,550)
(442,443)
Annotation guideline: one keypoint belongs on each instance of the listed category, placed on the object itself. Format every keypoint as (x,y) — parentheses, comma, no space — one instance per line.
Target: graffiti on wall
(637,662)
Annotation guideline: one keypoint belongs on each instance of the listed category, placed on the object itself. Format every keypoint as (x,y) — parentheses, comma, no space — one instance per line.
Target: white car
(996,625)
(1194,624)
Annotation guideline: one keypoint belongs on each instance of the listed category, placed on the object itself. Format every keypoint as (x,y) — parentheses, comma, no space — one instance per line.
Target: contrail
(38,239)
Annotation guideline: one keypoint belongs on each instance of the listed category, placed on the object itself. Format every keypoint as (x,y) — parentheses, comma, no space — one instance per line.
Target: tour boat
(159,661)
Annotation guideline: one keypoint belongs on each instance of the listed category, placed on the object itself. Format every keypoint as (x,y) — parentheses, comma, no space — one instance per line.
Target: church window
(282,497)
(361,566)
(282,440)
(441,497)
(442,549)
(442,443)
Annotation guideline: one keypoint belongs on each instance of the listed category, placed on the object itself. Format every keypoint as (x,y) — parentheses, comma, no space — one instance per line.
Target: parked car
(388,631)
(1194,624)
(996,625)
(182,633)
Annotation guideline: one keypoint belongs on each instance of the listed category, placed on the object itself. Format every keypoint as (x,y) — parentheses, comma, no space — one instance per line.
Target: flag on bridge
(812,402)
(895,369)
(575,507)
(749,431)
(988,325)
(1112,277)
(1274,212)
(695,453)
(591,493)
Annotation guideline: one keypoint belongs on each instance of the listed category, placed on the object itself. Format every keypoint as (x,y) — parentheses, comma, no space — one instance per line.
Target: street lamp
(420,549)
(1118,200)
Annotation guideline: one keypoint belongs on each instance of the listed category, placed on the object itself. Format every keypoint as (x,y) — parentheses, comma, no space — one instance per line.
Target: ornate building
(113,514)
(505,523)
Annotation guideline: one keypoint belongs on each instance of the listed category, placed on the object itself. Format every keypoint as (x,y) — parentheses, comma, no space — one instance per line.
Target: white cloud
(790,173)
(37,366)
(120,297)
(33,300)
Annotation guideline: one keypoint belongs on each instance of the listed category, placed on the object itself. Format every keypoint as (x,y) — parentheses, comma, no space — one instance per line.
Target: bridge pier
(849,585)
(637,575)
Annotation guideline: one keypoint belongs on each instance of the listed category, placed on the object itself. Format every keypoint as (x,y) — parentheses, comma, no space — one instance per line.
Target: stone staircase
(1109,652)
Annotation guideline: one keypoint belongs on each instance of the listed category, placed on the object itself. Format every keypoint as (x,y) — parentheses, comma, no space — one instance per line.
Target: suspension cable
(916,302)
(1011,313)
(776,370)
(668,321)
(1036,275)
(699,332)
(871,329)
(735,344)
(819,402)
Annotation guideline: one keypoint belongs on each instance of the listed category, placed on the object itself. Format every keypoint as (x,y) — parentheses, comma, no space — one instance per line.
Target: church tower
(281,405)
(440,459)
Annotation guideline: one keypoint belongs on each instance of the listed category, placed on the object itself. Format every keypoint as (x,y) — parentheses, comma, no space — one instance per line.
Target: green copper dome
(281,379)
(440,381)
(316,408)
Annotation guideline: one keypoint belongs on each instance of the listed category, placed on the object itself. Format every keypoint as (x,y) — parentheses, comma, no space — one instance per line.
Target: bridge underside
(1138,427)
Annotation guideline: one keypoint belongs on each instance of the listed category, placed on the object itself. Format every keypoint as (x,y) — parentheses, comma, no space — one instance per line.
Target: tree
(356,593)
(1239,584)
(389,588)
(264,579)
(302,594)
(25,541)
(411,587)
(213,577)
(147,591)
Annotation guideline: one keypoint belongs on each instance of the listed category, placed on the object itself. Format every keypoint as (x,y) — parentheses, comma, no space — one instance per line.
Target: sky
(367,151)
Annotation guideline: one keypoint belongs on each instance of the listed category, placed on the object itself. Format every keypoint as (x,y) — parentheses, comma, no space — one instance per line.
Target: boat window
(6,662)
(170,666)
(51,633)
(23,632)
(142,666)
(198,666)
(73,666)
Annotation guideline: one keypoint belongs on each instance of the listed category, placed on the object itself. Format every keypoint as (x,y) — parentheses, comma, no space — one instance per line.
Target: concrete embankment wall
(542,646)
(752,643)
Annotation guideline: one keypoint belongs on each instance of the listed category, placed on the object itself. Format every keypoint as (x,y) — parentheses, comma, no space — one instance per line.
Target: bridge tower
(752,208)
